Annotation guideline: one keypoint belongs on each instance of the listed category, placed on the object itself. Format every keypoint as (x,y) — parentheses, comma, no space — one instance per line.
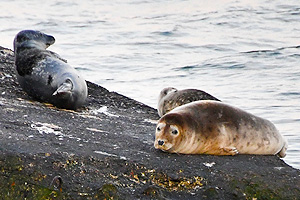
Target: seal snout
(160,142)
(50,40)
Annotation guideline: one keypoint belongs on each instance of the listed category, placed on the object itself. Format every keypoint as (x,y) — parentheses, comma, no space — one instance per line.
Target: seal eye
(174,132)
(158,128)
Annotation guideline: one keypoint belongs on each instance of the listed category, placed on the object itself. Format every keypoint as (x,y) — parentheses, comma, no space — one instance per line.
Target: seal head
(32,39)
(171,133)
(44,75)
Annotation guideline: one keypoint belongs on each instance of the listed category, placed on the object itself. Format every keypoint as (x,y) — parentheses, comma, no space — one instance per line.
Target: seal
(45,76)
(213,127)
(170,98)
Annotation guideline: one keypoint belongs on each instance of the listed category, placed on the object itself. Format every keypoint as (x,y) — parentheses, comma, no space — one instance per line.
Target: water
(245,53)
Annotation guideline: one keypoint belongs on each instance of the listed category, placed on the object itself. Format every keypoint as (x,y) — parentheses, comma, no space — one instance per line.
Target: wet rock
(153,192)
(105,150)
(108,191)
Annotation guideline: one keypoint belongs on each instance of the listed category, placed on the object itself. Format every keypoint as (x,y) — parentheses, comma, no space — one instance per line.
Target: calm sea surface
(246,53)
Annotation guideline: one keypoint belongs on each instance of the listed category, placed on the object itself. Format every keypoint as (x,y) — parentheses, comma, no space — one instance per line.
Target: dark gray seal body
(44,75)
(170,98)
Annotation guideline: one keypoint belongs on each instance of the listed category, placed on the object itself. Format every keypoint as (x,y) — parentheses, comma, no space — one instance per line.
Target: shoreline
(105,150)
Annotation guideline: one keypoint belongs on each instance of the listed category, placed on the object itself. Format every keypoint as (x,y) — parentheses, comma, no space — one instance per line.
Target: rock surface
(105,151)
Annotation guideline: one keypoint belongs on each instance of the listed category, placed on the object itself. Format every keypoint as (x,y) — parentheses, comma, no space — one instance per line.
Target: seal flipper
(282,152)
(64,88)
(229,151)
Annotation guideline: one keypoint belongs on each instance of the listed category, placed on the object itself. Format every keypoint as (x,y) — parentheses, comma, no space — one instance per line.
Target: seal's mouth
(50,40)
(164,146)
(48,44)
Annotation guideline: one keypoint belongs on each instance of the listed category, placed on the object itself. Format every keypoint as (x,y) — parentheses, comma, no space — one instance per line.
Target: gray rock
(105,150)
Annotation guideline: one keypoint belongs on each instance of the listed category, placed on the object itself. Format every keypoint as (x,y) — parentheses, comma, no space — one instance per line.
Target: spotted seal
(170,98)
(44,75)
(213,127)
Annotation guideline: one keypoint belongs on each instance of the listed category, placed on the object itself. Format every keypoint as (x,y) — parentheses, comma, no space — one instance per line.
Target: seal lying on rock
(170,98)
(44,75)
(212,127)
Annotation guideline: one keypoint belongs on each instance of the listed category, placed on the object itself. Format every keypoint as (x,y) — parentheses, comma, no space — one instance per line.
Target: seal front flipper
(282,152)
(65,88)
(230,151)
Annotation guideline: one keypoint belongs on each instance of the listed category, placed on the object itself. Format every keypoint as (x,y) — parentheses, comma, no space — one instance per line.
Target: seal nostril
(160,142)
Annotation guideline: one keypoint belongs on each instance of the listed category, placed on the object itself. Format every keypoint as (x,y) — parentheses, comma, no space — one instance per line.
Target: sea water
(244,52)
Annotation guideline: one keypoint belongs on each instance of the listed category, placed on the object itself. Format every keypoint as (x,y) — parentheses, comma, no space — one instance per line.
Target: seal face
(44,75)
(170,98)
(212,127)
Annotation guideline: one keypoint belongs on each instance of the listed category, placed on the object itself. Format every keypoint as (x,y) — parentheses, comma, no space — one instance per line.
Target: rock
(105,151)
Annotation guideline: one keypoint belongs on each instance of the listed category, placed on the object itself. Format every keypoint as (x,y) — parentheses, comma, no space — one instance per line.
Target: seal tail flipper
(282,152)
(64,88)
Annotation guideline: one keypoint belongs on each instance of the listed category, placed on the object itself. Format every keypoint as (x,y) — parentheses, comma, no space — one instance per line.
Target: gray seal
(170,98)
(45,76)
